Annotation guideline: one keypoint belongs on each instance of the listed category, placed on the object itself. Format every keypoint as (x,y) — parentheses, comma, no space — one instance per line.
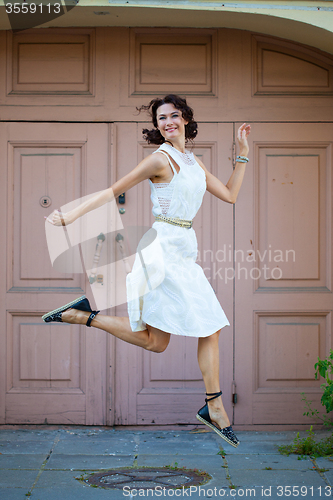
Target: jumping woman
(184,303)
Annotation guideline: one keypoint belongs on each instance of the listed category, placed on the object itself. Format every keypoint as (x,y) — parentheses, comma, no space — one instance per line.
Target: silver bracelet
(242,159)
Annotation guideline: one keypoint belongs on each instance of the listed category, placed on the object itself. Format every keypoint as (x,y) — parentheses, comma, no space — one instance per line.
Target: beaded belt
(175,221)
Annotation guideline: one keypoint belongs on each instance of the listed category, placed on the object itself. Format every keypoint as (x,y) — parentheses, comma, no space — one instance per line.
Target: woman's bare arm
(149,167)
(229,192)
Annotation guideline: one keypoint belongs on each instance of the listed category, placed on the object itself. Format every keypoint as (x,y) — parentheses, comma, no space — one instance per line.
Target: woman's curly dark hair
(154,136)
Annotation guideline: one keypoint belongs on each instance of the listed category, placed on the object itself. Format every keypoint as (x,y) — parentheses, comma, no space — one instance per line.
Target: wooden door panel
(291,217)
(287,348)
(283,294)
(56,173)
(44,372)
(55,373)
(40,356)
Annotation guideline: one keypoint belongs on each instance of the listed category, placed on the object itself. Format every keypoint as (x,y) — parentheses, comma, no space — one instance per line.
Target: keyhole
(45,201)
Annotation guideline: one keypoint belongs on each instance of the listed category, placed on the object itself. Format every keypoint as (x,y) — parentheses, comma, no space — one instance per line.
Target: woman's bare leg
(209,363)
(151,339)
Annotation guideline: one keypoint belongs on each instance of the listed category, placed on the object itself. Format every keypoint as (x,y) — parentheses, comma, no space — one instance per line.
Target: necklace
(187,157)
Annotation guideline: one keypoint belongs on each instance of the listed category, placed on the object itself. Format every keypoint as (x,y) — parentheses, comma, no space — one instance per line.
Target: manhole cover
(146,478)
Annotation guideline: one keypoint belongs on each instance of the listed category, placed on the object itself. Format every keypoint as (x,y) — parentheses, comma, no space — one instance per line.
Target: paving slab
(166,442)
(258,436)
(18,478)
(274,461)
(26,445)
(87,462)
(95,445)
(325,462)
(266,478)
(59,479)
(252,448)
(195,462)
(254,443)
(329,477)
(25,461)
(7,432)
(12,494)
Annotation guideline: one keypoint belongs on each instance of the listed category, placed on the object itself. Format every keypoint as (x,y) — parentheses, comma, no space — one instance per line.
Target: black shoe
(226,433)
(81,304)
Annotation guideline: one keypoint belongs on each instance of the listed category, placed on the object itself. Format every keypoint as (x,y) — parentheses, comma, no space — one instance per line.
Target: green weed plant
(324,368)
(308,445)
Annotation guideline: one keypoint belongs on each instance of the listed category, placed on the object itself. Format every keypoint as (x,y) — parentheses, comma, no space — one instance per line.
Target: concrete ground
(52,463)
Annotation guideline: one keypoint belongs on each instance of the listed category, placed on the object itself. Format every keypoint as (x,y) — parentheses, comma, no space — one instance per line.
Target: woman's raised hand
(242,135)
(56,218)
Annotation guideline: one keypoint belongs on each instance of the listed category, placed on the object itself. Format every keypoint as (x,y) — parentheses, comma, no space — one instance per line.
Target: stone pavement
(52,463)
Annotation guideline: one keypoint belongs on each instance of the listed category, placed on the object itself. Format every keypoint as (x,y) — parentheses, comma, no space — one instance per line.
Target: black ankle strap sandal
(214,394)
(81,304)
(91,317)
(226,433)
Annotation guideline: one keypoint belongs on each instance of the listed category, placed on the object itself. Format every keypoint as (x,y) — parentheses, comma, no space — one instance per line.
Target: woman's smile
(170,122)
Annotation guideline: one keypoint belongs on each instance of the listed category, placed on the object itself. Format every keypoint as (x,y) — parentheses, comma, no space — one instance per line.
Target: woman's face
(170,122)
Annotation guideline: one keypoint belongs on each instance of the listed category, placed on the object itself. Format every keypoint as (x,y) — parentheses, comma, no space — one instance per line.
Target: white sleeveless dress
(166,288)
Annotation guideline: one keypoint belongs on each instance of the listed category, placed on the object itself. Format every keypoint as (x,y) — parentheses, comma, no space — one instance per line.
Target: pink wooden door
(283,264)
(54,373)
(167,388)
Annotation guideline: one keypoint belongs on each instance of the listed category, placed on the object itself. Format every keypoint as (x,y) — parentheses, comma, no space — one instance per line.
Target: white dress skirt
(166,288)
